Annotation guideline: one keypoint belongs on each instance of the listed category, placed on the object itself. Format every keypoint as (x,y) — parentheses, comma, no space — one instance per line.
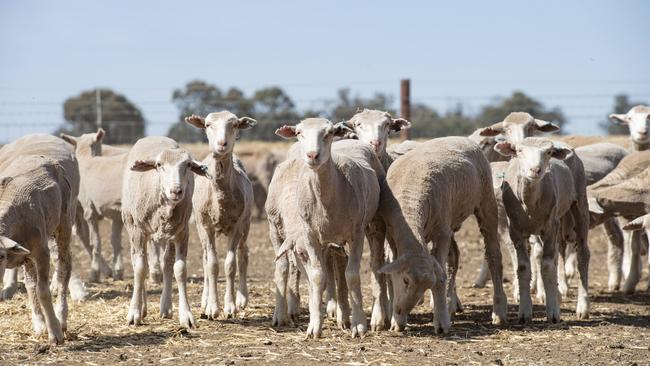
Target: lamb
(638,120)
(336,193)
(423,202)
(630,199)
(156,205)
(222,209)
(39,186)
(540,194)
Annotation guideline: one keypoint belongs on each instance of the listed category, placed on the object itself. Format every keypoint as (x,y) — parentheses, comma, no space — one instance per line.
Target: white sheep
(39,185)
(222,209)
(336,195)
(156,205)
(540,192)
(429,192)
(638,120)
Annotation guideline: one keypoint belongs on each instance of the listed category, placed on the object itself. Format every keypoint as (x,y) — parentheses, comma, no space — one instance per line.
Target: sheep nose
(643,132)
(177,190)
(312,155)
(536,170)
(222,143)
(375,144)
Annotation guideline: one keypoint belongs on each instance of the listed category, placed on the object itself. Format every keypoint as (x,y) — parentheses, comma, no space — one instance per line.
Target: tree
(272,108)
(519,102)
(347,106)
(426,122)
(622,105)
(122,120)
(201,98)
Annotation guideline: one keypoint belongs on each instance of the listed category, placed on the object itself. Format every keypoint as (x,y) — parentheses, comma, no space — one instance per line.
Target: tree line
(272,107)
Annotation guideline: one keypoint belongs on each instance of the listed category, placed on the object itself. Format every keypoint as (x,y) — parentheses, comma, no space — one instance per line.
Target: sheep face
(517,126)
(638,120)
(411,276)
(173,167)
(12,254)
(92,141)
(373,127)
(315,136)
(533,155)
(222,129)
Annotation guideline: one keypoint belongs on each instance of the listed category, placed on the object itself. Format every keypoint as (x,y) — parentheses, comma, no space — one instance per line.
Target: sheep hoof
(242,301)
(210,312)
(134,317)
(186,319)
(56,337)
(94,276)
(358,330)
(7,293)
(331,308)
(229,310)
(498,319)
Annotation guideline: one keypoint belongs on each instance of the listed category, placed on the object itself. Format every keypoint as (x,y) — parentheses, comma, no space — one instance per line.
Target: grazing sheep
(156,205)
(638,120)
(629,199)
(429,192)
(39,187)
(540,193)
(336,194)
(222,209)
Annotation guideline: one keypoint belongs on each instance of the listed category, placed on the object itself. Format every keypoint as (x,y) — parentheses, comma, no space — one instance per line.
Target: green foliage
(519,102)
(346,106)
(426,122)
(122,120)
(622,105)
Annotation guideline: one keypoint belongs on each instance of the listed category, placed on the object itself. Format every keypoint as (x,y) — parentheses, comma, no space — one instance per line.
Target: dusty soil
(618,331)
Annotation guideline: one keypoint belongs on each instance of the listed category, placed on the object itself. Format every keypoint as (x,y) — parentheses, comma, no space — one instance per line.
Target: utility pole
(98,104)
(405,107)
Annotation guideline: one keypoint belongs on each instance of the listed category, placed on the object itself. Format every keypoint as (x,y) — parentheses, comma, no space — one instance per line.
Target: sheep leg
(483,275)
(137,308)
(64,269)
(116,243)
(537,282)
(352,277)
(83,236)
(293,303)
(648,254)
(581,220)
(563,285)
(390,253)
(169,254)
(9,283)
(281,274)
(38,321)
(180,271)
(522,275)
(330,285)
(376,234)
(343,311)
(614,253)
(441,318)
(634,269)
(55,333)
(229,308)
(242,266)
(96,243)
(453,302)
(153,255)
(316,280)
(549,272)
(209,298)
(627,252)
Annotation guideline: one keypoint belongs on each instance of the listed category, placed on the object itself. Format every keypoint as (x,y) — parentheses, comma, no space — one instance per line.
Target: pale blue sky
(574,54)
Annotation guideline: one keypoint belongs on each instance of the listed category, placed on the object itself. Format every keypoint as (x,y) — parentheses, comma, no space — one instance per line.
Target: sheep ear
(544,126)
(196,121)
(69,139)
(143,165)
(505,148)
(245,123)
(398,124)
(561,153)
(495,129)
(286,132)
(636,224)
(619,119)
(342,130)
(199,169)
(395,266)
(284,248)
(594,206)
(489,132)
(15,252)
(100,135)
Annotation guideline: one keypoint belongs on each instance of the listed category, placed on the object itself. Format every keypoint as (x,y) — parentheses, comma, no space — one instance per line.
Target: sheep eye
(406,281)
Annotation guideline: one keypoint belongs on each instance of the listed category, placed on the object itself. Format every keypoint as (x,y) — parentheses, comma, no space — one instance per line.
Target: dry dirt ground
(618,331)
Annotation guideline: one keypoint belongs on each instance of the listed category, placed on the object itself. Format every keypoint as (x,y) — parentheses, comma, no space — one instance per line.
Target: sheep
(487,145)
(638,120)
(630,199)
(423,202)
(259,167)
(39,186)
(541,190)
(156,205)
(222,209)
(336,194)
